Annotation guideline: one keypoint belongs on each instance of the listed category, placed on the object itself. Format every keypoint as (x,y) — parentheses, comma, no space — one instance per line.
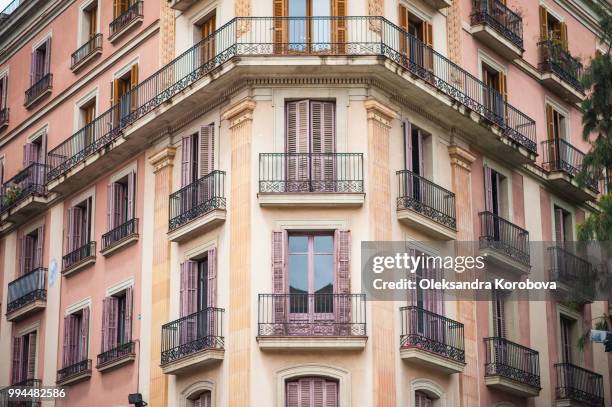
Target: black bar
(75,369)
(559,155)
(31,181)
(120,351)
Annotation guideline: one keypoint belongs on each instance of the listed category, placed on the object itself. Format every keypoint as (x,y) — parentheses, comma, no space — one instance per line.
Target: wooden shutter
(323,130)
(189,288)
(129,307)
(305,392)
(342,258)
(116,86)
(280,25)
(78,231)
(407,127)
(93,21)
(543,24)
(33,67)
(119,7)
(131,191)
(83,335)
(419,146)
(66,346)
(133,85)
(105,321)
(403,23)
(298,144)
(499,318)
(212,278)
(331,394)
(113,321)
(39,249)
(566,341)
(118,204)
(559,225)
(47,60)
(563,35)
(3,93)
(17,356)
(31,367)
(30,154)
(279,275)
(27,254)
(339,29)
(207,150)
(488,189)
(292,395)
(428,40)
(186,161)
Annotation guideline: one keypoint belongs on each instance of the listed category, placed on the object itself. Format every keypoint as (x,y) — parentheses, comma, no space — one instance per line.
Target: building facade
(186,186)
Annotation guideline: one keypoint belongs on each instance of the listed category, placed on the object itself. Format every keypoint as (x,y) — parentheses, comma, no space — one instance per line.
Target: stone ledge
(312,343)
(80,265)
(26,310)
(311,199)
(197,226)
(195,360)
(511,386)
(424,358)
(426,225)
(115,363)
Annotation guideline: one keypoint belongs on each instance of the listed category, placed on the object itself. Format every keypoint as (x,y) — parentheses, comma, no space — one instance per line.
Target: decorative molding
(119,287)
(163,158)
(342,376)
(77,306)
(430,388)
(196,388)
(379,112)
(461,157)
(239,112)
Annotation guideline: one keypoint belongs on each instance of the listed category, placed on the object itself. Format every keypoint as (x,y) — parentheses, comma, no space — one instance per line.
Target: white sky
(3,4)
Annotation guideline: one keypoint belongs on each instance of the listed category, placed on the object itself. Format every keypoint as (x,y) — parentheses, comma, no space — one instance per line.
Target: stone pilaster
(461,168)
(162,162)
(454,31)
(166,32)
(240,118)
(380,119)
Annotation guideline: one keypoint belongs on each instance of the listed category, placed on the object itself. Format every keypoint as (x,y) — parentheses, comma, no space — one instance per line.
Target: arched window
(421,399)
(202,399)
(311,391)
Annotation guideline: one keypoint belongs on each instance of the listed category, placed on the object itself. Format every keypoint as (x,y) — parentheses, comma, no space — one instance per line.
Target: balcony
(578,387)
(182,5)
(38,91)
(563,162)
(74,373)
(312,321)
(504,243)
(252,45)
(129,19)
(119,356)
(431,340)
(78,259)
(198,207)
(5,401)
(4,118)
(512,368)
(561,73)
(86,52)
(192,341)
(498,27)
(311,179)
(426,206)
(120,237)
(24,195)
(26,295)
(575,276)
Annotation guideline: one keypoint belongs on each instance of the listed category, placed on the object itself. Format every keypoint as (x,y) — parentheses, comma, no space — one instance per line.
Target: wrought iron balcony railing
(427,198)
(512,361)
(28,182)
(133,12)
(568,267)
(119,233)
(44,84)
(197,199)
(312,315)
(578,384)
(283,36)
(559,155)
(76,369)
(27,289)
(92,45)
(4,117)
(557,60)
(5,400)
(76,256)
(503,20)
(196,332)
(431,332)
(119,352)
(503,236)
(311,172)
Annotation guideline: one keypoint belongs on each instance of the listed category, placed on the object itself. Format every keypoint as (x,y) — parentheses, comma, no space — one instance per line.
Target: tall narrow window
(417,45)
(87,114)
(24,358)
(120,196)
(3,100)
(117,319)
(552,29)
(31,250)
(123,92)
(311,392)
(79,225)
(207,45)
(41,62)
(76,337)
(422,399)
(198,155)
(494,192)
(563,225)
(499,314)
(495,94)
(566,325)
(91,21)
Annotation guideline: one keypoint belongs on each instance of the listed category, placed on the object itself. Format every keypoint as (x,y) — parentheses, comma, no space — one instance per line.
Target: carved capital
(239,112)
(461,157)
(163,158)
(379,112)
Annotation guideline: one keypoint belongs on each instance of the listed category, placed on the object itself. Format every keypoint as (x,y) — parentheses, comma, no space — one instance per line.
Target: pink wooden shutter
(192,298)
(305,392)
(75,330)
(318,392)
(298,143)
(331,394)
(119,198)
(292,396)
(78,232)
(186,164)
(113,319)
(488,189)
(323,128)
(421,163)
(342,256)
(131,191)
(559,226)
(498,315)
(3,92)
(28,252)
(84,335)
(207,150)
(110,202)
(279,274)
(66,346)
(408,145)
(212,278)
(40,244)
(70,233)
(31,368)
(33,68)
(17,354)
(30,154)
(129,306)
(47,61)
(105,313)
(21,253)
(205,399)
(183,290)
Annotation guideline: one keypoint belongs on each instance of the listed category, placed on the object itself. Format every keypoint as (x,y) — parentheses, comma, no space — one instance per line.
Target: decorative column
(380,119)
(167,32)
(240,118)
(454,30)
(162,162)
(461,168)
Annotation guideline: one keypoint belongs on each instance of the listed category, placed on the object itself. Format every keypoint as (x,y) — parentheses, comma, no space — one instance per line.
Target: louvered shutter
(318,392)
(428,49)
(78,231)
(21,255)
(33,68)
(83,335)
(118,204)
(279,275)
(186,162)
(339,26)
(488,189)
(131,192)
(28,253)
(66,345)
(31,367)
(3,93)
(331,394)
(563,36)
(292,396)
(306,392)
(110,203)
(211,295)
(17,356)
(129,306)
(207,150)
(133,87)
(342,257)
(559,226)
(280,26)
(183,290)
(499,326)
(113,319)
(188,299)
(105,322)
(298,146)
(205,399)
(322,122)
(47,60)
(403,23)
(40,245)
(30,154)
(407,127)
(543,24)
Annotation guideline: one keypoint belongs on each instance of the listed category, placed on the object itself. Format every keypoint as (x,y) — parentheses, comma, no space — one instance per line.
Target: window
(35,152)
(495,196)
(90,22)
(76,337)
(566,326)
(41,62)
(120,207)
(87,114)
(79,225)
(417,147)
(117,319)
(422,31)
(3,95)
(421,399)
(24,358)
(121,6)
(551,28)
(563,225)
(499,314)
(120,87)
(31,250)
(311,392)
(495,95)
(203,399)
(204,30)
(198,155)
(556,123)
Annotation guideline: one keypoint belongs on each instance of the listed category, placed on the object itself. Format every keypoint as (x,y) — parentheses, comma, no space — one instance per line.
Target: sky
(4,3)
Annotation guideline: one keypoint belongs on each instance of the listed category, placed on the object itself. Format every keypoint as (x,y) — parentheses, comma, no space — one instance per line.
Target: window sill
(311,199)
(421,357)
(197,226)
(193,361)
(115,363)
(312,343)
(26,310)
(511,386)
(124,30)
(78,266)
(119,244)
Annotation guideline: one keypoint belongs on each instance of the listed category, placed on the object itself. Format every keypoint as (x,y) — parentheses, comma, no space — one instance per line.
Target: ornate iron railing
(576,273)
(500,18)
(578,384)
(284,36)
(312,315)
(75,369)
(119,233)
(119,352)
(4,117)
(559,155)
(37,89)
(197,199)
(512,361)
(193,333)
(426,197)
(28,182)
(26,289)
(431,332)
(311,172)
(501,235)
(76,256)
(557,60)
(5,400)
(133,12)
(92,45)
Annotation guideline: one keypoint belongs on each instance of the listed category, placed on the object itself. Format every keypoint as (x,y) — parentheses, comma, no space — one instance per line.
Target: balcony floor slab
(423,358)
(311,199)
(511,386)
(426,225)
(196,360)
(26,310)
(312,343)
(197,226)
